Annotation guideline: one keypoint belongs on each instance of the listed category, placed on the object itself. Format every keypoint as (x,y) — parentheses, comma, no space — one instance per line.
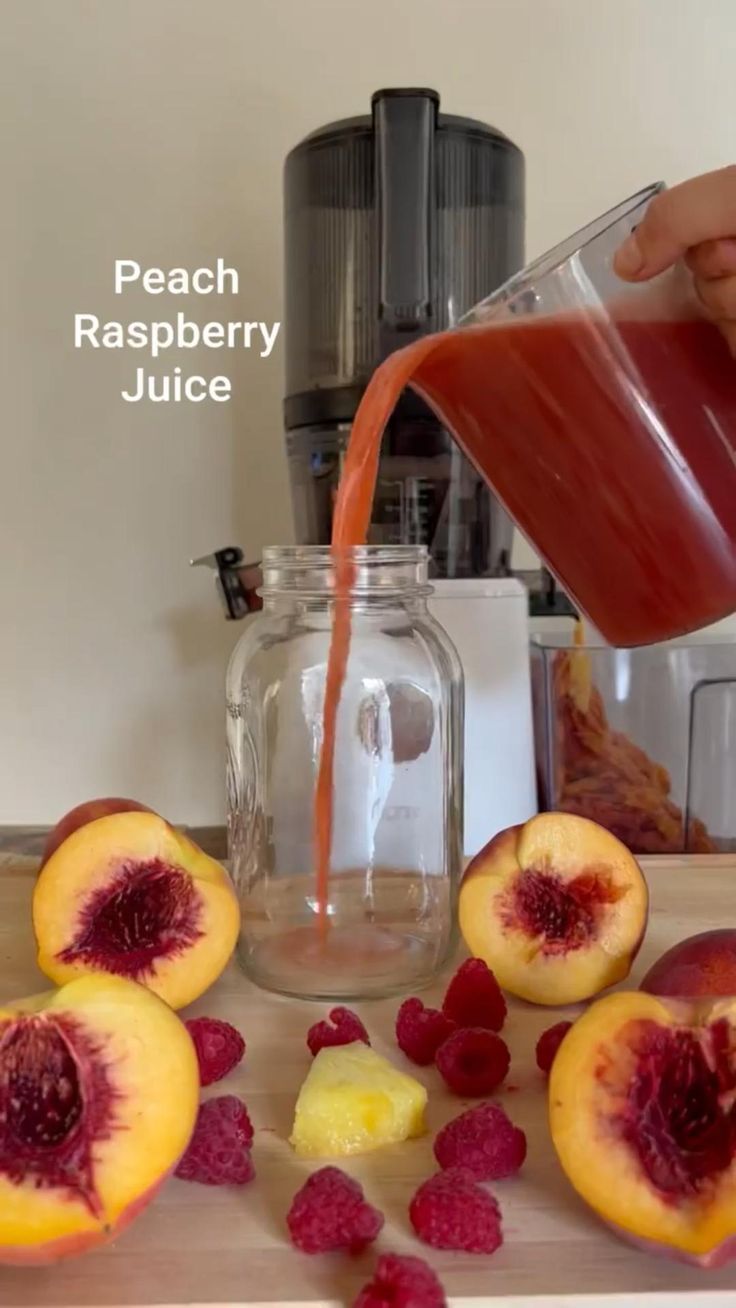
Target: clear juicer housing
(641,740)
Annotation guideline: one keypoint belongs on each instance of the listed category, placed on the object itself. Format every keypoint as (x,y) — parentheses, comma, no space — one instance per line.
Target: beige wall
(155,130)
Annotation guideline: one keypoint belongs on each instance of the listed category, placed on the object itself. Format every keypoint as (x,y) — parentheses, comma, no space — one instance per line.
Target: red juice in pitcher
(613,447)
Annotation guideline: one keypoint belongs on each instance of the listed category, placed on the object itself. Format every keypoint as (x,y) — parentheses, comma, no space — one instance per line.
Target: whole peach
(89,811)
(702,965)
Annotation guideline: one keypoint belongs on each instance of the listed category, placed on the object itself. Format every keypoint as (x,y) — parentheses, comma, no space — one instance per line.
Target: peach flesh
(128,894)
(702,965)
(89,811)
(643,1118)
(556,907)
(146,912)
(99,1089)
(56,1251)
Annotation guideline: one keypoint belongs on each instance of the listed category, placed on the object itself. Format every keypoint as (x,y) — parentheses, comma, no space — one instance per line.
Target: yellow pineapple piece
(353,1101)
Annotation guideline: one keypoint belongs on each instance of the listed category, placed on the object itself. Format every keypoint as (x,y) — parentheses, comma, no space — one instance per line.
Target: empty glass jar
(397,799)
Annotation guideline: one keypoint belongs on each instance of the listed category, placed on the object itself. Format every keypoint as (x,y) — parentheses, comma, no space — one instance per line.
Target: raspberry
(219,1047)
(473,1062)
(330,1212)
(548,1044)
(451,1211)
(420,1031)
(345,1030)
(474,997)
(219,1150)
(484,1141)
(401,1281)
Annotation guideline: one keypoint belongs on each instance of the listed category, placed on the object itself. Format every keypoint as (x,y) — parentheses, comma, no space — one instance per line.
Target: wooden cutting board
(197,1246)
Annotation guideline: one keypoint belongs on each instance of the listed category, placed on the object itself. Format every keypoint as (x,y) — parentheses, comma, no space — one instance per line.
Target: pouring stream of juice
(349,528)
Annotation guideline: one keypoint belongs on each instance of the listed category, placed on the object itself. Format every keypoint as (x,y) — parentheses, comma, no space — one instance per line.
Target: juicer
(395,224)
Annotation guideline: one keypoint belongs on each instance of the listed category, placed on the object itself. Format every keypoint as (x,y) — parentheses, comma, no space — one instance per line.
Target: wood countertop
(30,840)
(225,1247)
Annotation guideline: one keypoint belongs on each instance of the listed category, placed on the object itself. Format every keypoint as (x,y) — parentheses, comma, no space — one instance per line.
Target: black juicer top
(396,224)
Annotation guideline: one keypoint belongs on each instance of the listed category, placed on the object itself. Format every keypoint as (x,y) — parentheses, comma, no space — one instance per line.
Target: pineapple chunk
(353,1101)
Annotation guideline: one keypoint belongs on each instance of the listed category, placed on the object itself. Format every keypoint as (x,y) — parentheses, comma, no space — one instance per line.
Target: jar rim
(315,556)
(377,570)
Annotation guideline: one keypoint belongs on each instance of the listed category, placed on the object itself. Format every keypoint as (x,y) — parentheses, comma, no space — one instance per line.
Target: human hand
(695,221)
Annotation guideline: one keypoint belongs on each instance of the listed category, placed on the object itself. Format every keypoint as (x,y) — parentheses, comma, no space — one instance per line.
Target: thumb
(702,209)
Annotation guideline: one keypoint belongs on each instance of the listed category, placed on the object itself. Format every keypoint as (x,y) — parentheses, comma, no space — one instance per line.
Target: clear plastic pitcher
(604,417)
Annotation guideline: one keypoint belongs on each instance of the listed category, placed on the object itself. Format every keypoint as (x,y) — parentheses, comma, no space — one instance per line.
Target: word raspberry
(473,1062)
(219,1150)
(451,1211)
(474,997)
(218,1045)
(346,1028)
(548,1044)
(420,1031)
(330,1212)
(484,1141)
(401,1281)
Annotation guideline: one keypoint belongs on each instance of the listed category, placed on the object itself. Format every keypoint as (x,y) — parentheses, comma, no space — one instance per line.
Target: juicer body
(395,224)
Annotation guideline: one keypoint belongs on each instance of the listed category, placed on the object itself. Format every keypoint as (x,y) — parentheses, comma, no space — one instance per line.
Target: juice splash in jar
(612,444)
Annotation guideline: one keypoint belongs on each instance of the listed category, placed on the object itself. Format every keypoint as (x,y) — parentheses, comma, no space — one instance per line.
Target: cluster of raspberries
(450,1210)
(461,1038)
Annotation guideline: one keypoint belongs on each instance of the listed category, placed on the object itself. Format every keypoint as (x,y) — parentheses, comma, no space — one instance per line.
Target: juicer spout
(237,581)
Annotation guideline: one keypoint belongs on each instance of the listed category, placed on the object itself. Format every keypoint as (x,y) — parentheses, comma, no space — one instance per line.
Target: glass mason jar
(397,799)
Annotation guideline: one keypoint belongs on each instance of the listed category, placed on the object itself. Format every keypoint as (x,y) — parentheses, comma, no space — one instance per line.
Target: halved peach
(84,813)
(557,908)
(702,965)
(99,1089)
(129,894)
(641,1109)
